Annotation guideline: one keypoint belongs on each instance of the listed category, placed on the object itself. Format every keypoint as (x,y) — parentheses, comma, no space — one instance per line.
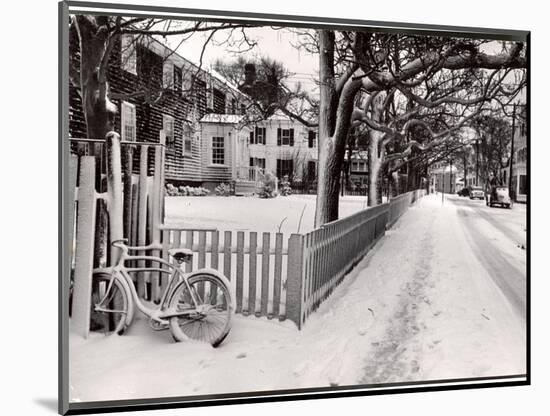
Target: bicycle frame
(121,272)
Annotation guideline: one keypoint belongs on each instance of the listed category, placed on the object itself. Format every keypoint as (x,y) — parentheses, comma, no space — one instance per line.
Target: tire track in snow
(397,356)
(506,275)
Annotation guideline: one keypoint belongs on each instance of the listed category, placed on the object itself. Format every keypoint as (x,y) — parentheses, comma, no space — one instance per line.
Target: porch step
(243,187)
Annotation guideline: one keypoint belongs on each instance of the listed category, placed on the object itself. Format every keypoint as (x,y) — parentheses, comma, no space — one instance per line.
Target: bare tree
(96,36)
(373,64)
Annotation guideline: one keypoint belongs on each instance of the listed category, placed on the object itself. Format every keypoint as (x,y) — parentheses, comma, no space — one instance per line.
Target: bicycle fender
(217,274)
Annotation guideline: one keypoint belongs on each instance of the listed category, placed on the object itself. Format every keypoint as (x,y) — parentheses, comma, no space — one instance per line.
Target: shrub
(171,190)
(223,189)
(268,186)
(284,186)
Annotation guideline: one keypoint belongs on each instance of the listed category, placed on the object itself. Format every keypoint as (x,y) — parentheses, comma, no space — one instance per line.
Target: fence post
(70,208)
(142,216)
(114,190)
(84,254)
(294,282)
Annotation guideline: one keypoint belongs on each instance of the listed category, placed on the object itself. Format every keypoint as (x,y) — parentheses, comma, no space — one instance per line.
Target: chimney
(249,74)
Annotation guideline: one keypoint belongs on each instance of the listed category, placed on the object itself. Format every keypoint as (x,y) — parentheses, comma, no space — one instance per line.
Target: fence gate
(117,189)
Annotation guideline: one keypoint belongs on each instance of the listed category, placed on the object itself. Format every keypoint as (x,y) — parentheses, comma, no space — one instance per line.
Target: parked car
(476,192)
(464,191)
(499,196)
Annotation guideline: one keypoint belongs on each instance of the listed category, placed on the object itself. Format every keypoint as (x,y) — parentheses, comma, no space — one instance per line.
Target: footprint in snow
(241,355)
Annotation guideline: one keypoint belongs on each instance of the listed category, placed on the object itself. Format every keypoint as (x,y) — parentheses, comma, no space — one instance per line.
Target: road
(498,239)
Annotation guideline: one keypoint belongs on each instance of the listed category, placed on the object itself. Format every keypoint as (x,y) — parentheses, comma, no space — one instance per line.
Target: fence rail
(254,263)
(116,192)
(331,251)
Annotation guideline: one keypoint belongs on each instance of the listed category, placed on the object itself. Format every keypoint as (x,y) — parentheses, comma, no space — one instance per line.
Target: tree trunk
(95,46)
(375,165)
(334,124)
(377,152)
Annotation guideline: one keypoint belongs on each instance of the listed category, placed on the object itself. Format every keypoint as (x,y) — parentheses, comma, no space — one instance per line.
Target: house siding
(300,152)
(183,106)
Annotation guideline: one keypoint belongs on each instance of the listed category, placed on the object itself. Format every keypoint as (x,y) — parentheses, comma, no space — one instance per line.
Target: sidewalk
(418,307)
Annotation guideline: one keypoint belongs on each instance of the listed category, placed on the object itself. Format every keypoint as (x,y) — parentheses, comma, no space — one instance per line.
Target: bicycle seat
(181,254)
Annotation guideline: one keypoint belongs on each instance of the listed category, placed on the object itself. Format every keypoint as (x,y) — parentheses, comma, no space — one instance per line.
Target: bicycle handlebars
(122,243)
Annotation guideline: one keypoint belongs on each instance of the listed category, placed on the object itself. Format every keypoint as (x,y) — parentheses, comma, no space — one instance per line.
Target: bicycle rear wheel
(210,321)
(111,312)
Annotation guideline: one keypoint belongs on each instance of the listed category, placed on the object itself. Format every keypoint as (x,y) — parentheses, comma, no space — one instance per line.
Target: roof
(222,118)
(278,115)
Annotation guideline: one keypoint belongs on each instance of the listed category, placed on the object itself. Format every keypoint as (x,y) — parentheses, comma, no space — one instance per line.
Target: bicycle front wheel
(111,311)
(209,320)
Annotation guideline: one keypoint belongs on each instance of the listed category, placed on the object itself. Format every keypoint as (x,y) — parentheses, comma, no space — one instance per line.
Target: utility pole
(511,190)
(451,176)
(477,162)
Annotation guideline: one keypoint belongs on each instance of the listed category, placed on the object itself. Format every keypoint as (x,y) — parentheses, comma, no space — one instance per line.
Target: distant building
(519,160)
(445,178)
(284,147)
(359,169)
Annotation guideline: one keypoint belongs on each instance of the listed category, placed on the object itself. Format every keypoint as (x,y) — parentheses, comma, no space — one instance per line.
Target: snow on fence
(328,253)
(255,264)
(325,255)
(115,193)
(119,193)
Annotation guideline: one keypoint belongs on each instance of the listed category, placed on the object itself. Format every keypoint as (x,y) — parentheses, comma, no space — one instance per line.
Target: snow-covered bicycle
(194,305)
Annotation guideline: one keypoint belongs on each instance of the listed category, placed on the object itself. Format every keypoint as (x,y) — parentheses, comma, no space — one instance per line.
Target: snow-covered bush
(171,190)
(284,186)
(268,186)
(223,189)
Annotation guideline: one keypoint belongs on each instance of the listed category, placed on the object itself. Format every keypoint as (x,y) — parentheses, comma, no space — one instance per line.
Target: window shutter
(279,136)
(292,137)
(264,135)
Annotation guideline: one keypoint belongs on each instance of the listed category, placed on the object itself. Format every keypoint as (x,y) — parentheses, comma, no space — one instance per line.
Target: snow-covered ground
(420,306)
(252,213)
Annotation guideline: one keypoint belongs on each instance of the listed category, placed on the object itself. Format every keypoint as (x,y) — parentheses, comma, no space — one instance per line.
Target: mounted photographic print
(263,207)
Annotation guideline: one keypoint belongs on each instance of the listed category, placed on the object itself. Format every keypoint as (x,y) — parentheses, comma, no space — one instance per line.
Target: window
(233,109)
(522,155)
(218,151)
(128,122)
(285,168)
(168,127)
(311,170)
(311,138)
(186,82)
(168,75)
(243,109)
(257,162)
(219,102)
(522,184)
(522,129)
(258,135)
(199,88)
(187,138)
(128,56)
(359,165)
(285,137)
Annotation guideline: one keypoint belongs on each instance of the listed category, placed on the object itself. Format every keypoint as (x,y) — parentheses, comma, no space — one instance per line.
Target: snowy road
(498,239)
(434,300)
(460,291)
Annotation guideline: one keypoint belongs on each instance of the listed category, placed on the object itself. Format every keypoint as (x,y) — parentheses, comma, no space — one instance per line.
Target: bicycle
(194,305)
